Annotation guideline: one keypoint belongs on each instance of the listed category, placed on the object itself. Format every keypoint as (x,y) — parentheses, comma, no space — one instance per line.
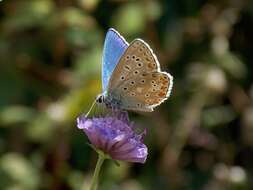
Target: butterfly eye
(100,99)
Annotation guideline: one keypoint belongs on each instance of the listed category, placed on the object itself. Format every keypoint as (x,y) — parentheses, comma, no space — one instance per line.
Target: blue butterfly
(131,76)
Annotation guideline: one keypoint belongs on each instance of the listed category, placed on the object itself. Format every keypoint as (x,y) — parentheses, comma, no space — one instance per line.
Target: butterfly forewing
(114,47)
(138,58)
(137,79)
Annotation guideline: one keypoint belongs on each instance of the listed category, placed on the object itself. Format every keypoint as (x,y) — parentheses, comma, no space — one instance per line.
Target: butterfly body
(132,79)
(109,100)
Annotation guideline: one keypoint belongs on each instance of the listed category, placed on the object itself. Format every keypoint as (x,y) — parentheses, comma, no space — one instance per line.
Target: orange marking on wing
(161,94)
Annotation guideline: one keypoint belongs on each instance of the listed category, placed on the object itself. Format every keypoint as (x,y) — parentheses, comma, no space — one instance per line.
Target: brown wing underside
(137,79)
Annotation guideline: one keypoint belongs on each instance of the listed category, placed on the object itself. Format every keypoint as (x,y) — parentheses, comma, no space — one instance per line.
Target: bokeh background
(50,64)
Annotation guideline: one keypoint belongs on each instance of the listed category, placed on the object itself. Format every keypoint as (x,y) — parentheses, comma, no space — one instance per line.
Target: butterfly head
(100,99)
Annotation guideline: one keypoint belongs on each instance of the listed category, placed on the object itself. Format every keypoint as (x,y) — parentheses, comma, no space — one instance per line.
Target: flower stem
(94,183)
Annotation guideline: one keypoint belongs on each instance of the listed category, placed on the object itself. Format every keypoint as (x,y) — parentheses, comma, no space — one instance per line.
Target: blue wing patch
(114,46)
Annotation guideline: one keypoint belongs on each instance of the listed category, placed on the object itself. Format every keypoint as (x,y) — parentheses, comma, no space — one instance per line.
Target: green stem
(94,183)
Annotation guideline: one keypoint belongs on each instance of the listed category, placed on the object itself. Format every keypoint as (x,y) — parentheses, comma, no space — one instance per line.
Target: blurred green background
(50,64)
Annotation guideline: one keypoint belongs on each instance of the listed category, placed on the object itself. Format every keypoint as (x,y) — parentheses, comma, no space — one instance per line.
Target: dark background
(50,64)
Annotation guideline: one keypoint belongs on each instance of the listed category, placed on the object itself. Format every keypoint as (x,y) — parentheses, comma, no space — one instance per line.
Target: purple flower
(114,135)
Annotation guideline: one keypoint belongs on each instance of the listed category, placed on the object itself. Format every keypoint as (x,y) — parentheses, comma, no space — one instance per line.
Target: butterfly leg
(111,102)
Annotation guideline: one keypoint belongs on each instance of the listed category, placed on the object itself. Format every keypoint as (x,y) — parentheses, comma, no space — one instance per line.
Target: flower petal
(115,136)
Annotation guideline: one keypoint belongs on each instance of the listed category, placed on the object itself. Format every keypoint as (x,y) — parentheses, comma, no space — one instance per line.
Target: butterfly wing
(114,46)
(151,90)
(137,80)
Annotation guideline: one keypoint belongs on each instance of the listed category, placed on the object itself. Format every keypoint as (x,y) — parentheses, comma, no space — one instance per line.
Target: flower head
(114,135)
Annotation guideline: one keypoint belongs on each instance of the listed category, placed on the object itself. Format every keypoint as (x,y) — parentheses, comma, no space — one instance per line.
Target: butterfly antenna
(86,115)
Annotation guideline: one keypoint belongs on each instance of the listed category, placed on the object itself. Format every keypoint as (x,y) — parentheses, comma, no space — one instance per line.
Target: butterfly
(131,76)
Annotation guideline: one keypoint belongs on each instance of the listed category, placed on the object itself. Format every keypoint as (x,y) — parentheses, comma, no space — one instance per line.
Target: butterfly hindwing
(145,91)
(137,79)
(114,47)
